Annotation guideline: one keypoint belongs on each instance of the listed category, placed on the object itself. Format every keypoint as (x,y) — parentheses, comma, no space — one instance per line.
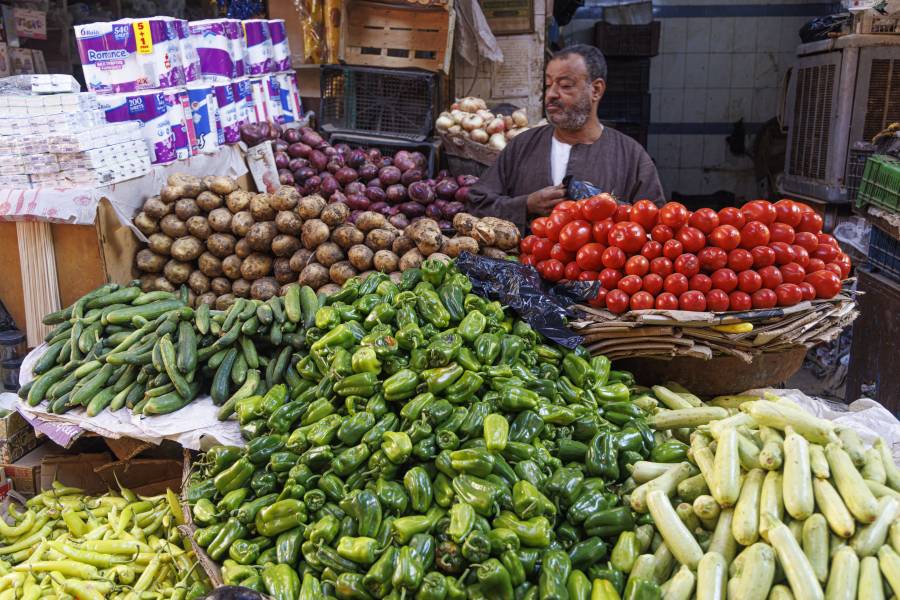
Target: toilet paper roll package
(290,106)
(259,47)
(151,110)
(218,43)
(260,100)
(281,52)
(190,60)
(178,108)
(238,47)
(203,116)
(243,97)
(229,119)
(273,98)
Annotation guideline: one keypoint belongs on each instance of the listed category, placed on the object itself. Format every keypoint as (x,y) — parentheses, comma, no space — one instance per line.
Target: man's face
(570,95)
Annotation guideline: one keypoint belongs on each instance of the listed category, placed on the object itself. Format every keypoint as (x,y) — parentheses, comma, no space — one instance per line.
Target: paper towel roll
(151,110)
(203,115)
(281,52)
(259,46)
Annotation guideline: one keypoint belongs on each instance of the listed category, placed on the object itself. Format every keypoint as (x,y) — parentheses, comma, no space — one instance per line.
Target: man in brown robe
(525,181)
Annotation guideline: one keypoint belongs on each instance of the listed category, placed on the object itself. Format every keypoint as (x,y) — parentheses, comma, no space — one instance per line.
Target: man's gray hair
(593,59)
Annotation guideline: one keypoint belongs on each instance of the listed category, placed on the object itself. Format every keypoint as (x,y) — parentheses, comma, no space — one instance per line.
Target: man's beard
(573,117)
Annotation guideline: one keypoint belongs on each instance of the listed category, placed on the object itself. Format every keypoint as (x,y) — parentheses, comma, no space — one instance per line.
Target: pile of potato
(225,243)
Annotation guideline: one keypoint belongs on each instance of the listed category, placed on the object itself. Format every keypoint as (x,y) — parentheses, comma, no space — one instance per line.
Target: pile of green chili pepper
(68,545)
(426,444)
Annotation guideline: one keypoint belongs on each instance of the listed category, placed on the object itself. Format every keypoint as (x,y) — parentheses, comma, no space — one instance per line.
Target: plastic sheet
(519,286)
(579,190)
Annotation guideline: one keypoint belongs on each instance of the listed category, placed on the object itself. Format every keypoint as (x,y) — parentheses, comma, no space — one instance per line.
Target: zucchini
(671,399)
(643,471)
(879,490)
(889,562)
(722,540)
(92,385)
(842,582)
(100,401)
(685,512)
(895,536)
(736,420)
(817,462)
(277,311)
(87,368)
(664,562)
(850,484)
(796,566)
(680,586)
(870,584)
(871,537)
(121,396)
(264,314)
(239,370)
(309,303)
(852,445)
(673,531)
(833,508)
(248,351)
(245,391)
(816,546)
(727,469)
(748,452)
(643,568)
(780,416)
(771,500)
(781,592)
(891,471)
(57,317)
(707,510)
(711,573)
(219,389)
(49,358)
(201,319)
(873,469)
(756,573)
(686,417)
(797,484)
(125,295)
(148,297)
(745,526)
(692,487)
(667,482)
(170,367)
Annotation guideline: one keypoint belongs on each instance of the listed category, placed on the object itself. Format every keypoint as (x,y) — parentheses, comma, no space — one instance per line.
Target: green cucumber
(48,359)
(219,389)
(187,347)
(148,311)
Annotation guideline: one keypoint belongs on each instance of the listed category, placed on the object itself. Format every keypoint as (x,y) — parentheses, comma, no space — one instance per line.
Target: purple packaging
(228,115)
(288,108)
(273,98)
(190,61)
(152,111)
(238,45)
(158,53)
(182,125)
(214,41)
(203,116)
(243,96)
(281,51)
(259,47)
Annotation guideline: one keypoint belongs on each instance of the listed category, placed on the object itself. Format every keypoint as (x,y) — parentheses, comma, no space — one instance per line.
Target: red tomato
(749,281)
(569,206)
(771,277)
(637,265)
(628,236)
(574,235)
(563,256)
(810,222)
(551,270)
(641,301)
(674,215)
(652,249)
(809,292)
(764,298)
(793,273)
(739,301)
(617,301)
(783,253)
(788,294)
(662,233)
(712,258)
(652,283)
(609,278)
(613,258)
(804,208)
(781,232)
(539,226)
(740,260)
(687,264)
(572,271)
(844,261)
(672,249)
(630,284)
(666,301)
(726,237)
(825,238)
(644,212)
(754,234)
(808,240)
(590,256)
(732,216)
(717,301)
(700,282)
(788,212)
(692,300)
(599,207)
(599,300)
(691,238)
(763,256)
(527,244)
(759,210)
(588,276)
(527,259)
(556,222)
(662,266)
(801,256)
(826,253)
(676,283)
(623,213)
(834,268)
(725,280)
(704,219)
(542,249)
(815,264)
(600,231)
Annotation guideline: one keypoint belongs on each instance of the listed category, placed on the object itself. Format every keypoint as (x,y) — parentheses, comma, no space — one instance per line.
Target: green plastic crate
(880,183)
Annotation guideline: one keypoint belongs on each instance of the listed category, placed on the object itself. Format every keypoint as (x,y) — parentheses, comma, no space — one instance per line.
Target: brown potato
(220,285)
(411,260)
(186,208)
(283,271)
(241,288)
(360,257)
(264,288)
(231,266)
(242,248)
(483,233)
(347,236)
(286,198)
(198,282)
(335,214)
(186,249)
(506,234)
(220,220)
(402,245)
(145,223)
(199,227)
(210,265)
(160,243)
(241,223)
(177,272)
(285,245)
(459,244)
(224,301)
(464,223)
(328,289)
(221,244)
(314,275)
(173,227)
(238,201)
(207,298)
(369,220)
(220,184)
(288,222)
(170,193)
(190,185)
(261,207)
(261,235)
(329,253)
(156,208)
(492,252)
(148,262)
(380,239)
(300,259)
(208,201)
(310,207)
(147,281)
(161,284)
(341,272)
(314,232)
(426,234)
(386,261)
(256,265)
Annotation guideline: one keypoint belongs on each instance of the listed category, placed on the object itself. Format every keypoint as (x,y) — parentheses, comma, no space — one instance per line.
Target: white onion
(520,117)
(444,122)
(479,135)
(458,115)
(487,115)
(469,104)
(454,130)
(454,106)
(481,104)
(495,126)
(508,122)
(497,141)
(472,122)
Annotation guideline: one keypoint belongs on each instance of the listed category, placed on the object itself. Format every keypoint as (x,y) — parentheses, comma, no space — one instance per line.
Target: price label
(30,23)
(143,37)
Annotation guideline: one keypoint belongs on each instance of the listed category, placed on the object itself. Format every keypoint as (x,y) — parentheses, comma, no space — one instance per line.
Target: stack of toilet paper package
(190,85)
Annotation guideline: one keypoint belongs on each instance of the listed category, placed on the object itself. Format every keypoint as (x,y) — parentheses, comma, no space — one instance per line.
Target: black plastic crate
(628,76)
(884,253)
(627,40)
(384,102)
(636,131)
(619,107)
(390,146)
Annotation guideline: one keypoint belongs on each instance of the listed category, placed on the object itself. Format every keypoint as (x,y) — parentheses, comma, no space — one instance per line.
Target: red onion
(338,197)
(318,160)
(345,175)
(304,173)
(385,161)
(446,189)
(418,160)
(328,150)
(376,194)
(452,208)
(374,154)
(311,185)
(440,204)
(403,161)
(389,175)
(253,134)
(285,177)
(375,183)
(462,195)
(299,150)
(380,207)
(368,171)
(280,146)
(342,149)
(310,137)
(356,158)
(282,160)
(333,165)
(411,176)
(297,163)
(442,174)
(412,209)
(355,187)
(399,221)
(291,135)
(445,224)
(466,180)
(420,192)
(396,193)
(275,131)
(354,216)
(433,211)
(329,186)
(358,202)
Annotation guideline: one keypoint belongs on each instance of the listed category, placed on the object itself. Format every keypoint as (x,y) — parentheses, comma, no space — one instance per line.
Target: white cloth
(559,160)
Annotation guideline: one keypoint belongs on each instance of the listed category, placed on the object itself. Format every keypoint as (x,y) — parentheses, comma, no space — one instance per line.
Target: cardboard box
(75,470)
(144,476)
(25,473)
(10,424)
(17,445)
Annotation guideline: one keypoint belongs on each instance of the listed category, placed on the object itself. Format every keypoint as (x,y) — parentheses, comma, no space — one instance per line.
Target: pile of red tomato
(761,255)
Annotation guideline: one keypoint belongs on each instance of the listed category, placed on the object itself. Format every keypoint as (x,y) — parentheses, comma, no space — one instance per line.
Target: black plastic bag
(819,28)
(519,286)
(579,190)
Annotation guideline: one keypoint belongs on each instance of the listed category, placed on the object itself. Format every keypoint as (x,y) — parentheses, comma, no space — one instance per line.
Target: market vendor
(526,180)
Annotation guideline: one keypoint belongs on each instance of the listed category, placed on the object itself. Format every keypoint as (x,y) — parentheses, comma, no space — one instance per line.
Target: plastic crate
(382,102)
(884,253)
(390,146)
(636,131)
(856,164)
(628,76)
(880,184)
(619,107)
(627,40)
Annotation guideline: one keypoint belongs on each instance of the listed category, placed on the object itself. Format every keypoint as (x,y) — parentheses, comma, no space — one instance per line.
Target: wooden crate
(401,36)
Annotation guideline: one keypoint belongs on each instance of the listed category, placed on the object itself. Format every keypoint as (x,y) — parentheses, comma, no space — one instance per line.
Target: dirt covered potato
(231,266)
(199,227)
(329,253)
(224,301)
(492,252)
(210,265)
(341,272)
(335,214)
(145,223)
(242,248)
(156,208)
(427,236)
(314,232)
(261,207)
(241,288)
(347,236)
(186,208)
(310,207)
(286,198)
(261,235)
(455,246)
(172,226)
(149,262)
(220,285)
(360,256)
(283,271)
(300,259)
(329,288)
(159,243)
(256,265)
(220,220)
(288,222)
(238,201)
(221,244)
(506,234)
(411,260)
(264,288)
(386,261)
(208,201)
(161,284)
(177,272)
(380,239)
(369,220)
(207,298)
(464,223)
(220,184)
(186,248)
(241,223)
(285,245)
(314,275)
(147,280)
(198,282)
(402,245)
(188,186)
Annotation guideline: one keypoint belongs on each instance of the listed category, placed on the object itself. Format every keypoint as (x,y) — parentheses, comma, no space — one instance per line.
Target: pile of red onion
(397,187)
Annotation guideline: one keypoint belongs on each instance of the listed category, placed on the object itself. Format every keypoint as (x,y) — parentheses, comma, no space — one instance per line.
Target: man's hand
(542,201)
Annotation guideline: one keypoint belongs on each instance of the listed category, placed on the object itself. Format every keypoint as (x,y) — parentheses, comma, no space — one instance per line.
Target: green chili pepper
(609,522)
(281,582)
(477,547)
(462,519)
(554,575)
(408,571)
(418,485)
(234,477)
(494,579)
(487,348)
(474,461)
(392,496)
